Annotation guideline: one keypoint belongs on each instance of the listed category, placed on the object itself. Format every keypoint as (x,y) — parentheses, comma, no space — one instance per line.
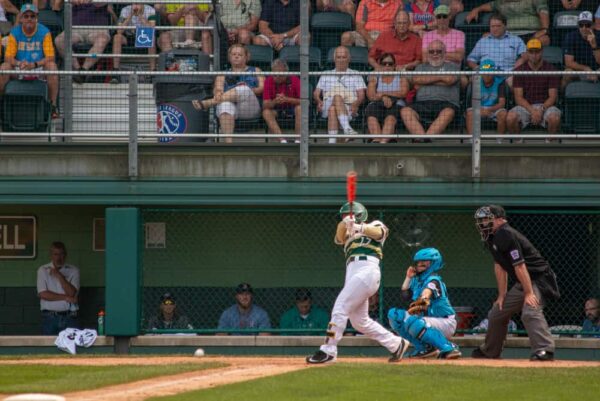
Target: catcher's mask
(432,255)
(484,219)
(359,211)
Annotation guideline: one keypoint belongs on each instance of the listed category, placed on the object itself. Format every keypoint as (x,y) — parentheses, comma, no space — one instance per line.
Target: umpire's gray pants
(533,320)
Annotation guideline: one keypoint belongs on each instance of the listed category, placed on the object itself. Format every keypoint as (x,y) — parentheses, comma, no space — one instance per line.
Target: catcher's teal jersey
(360,244)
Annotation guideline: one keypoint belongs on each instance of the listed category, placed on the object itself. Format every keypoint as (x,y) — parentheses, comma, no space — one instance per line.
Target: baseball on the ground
(199,352)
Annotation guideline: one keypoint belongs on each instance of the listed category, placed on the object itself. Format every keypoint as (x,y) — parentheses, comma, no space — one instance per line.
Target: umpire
(515,257)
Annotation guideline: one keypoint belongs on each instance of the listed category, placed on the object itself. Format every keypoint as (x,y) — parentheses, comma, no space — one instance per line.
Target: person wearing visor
(169,316)
(535,283)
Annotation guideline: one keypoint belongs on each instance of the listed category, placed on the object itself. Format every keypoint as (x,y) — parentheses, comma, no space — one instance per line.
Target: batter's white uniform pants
(362,281)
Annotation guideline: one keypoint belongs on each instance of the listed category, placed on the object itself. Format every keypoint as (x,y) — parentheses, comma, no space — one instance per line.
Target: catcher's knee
(396,318)
(415,326)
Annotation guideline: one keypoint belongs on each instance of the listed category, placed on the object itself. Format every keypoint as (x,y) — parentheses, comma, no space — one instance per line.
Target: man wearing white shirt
(58,287)
(342,95)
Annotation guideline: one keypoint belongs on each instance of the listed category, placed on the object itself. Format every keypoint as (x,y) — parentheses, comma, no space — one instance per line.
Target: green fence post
(123,290)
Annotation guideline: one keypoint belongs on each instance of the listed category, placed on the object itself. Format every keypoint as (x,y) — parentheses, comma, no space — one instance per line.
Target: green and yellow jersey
(364,245)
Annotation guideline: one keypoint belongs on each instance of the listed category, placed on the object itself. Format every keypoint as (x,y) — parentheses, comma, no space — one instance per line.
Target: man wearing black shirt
(515,257)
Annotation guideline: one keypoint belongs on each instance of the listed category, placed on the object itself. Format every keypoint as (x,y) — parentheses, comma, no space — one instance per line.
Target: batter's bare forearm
(374,232)
(340,233)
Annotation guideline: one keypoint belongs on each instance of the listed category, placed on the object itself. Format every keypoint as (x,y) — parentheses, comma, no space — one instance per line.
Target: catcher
(429,322)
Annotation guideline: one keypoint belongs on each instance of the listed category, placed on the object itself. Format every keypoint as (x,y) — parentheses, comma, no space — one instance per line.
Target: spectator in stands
(244,314)
(438,96)
(596,18)
(342,95)
(342,6)
(87,13)
(54,5)
(386,94)
(279,24)
(58,287)
(572,5)
(421,15)
(505,49)
(139,15)
(493,99)
(592,317)
(236,97)
(30,48)
(400,42)
(453,39)
(188,15)
(6,7)
(373,17)
(304,315)
(240,19)
(169,316)
(281,98)
(536,96)
(525,18)
(580,49)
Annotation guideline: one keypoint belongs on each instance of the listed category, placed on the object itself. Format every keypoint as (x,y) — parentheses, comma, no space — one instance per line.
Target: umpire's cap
(243,287)
(498,211)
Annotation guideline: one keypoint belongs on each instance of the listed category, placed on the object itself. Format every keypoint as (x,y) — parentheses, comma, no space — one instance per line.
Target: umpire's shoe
(542,356)
(320,357)
(399,353)
(478,354)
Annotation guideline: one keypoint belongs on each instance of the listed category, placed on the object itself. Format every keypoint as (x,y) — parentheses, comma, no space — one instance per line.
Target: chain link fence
(200,256)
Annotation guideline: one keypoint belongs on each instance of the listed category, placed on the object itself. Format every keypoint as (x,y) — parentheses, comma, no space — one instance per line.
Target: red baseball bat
(351,189)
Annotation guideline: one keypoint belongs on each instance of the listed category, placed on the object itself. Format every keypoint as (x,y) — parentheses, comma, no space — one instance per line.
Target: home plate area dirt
(240,369)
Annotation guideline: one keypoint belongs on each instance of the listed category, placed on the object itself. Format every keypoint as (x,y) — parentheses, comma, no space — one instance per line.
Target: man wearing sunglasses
(169,316)
(580,49)
(452,38)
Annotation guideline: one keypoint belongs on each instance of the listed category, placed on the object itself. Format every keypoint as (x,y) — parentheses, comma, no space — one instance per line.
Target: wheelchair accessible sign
(144,37)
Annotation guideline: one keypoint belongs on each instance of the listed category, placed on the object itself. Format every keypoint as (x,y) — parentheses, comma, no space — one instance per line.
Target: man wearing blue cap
(30,48)
(493,98)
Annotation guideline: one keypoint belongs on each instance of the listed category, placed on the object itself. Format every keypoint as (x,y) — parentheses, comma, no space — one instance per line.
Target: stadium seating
(554,55)
(291,54)
(580,98)
(327,28)
(562,23)
(260,56)
(26,107)
(52,20)
(474,30)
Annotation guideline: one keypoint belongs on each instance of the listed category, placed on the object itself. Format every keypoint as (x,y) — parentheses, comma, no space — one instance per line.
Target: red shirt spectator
(376,15)
(535,87)
(404,45)
(289,88)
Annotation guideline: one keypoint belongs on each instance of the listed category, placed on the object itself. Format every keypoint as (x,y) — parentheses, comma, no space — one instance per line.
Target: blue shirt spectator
(504,48)
(244,314)
(592,317)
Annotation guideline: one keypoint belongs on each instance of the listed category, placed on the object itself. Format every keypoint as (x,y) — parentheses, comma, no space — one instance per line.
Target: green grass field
(62,379)
(376,382)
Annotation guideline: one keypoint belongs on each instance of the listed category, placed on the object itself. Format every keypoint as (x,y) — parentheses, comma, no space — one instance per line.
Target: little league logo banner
(170,120)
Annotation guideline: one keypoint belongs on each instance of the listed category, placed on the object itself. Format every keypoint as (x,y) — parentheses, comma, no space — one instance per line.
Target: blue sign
(170,120)
(144,37)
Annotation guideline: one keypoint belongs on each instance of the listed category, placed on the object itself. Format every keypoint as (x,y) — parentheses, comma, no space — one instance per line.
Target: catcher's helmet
(359,211)
(484,219)
(432,255)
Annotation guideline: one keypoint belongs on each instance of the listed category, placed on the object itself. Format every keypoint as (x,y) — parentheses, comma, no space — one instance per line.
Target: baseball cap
(29,7)
(534,44)
(167,298)
(585,16)
(487,65)
(243,287)
(302,294)
(498,211)
(441,9)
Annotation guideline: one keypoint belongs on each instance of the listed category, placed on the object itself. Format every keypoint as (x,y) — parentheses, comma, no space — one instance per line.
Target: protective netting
(200,257)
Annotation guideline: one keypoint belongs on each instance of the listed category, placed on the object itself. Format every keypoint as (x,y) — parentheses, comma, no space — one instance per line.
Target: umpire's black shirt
(510,248)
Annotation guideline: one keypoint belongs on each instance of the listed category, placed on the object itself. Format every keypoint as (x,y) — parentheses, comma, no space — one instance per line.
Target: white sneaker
(350,131)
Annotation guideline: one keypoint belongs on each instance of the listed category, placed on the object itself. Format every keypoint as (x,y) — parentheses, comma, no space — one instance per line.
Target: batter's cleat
(542,356)
(399,353)
(320,357)
(452,354)
(427,353)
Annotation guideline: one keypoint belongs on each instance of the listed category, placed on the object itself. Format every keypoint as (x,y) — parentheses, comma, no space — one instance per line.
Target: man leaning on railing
(30,48)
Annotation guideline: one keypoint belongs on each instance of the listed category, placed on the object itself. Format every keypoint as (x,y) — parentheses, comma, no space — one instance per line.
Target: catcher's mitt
(420,305)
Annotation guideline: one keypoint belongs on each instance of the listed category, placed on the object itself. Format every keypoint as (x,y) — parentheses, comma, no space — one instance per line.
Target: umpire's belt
(56,313)
(362,258)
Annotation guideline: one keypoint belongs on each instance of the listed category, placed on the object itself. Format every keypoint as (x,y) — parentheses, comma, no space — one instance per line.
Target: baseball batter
(363,247)
(430,321)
